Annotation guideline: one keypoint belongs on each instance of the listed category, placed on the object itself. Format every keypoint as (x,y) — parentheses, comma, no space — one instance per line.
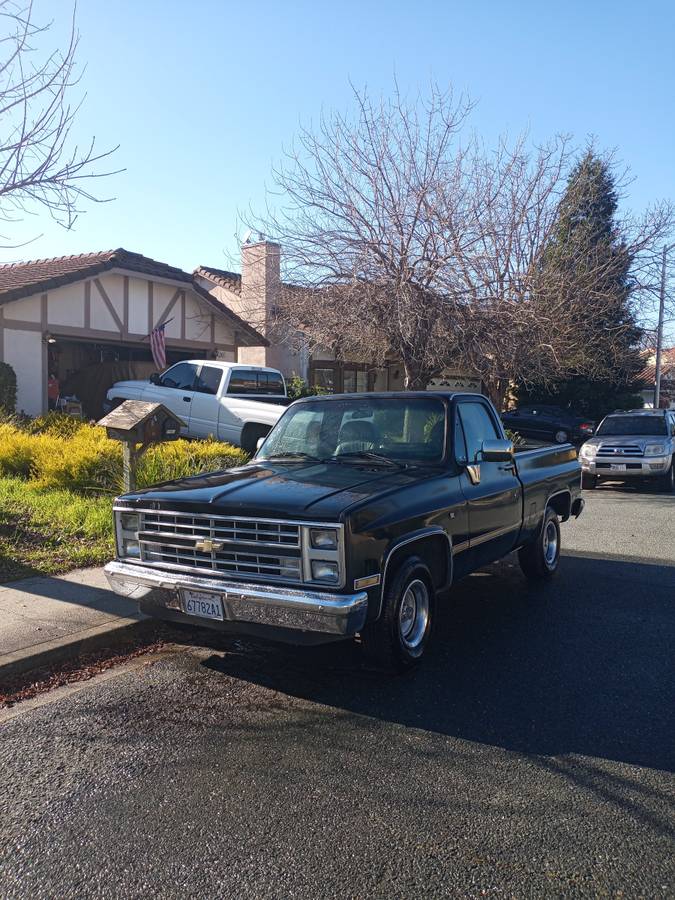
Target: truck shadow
(582,665)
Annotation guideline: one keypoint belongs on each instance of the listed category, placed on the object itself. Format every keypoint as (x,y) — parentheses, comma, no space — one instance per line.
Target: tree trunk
(497,389)
(415,379)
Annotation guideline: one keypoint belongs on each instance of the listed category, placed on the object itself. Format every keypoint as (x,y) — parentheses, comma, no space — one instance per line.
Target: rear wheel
(588,482)
(398,639)
(540,558)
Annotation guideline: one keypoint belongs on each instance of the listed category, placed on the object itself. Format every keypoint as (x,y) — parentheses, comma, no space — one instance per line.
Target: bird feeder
(138,425)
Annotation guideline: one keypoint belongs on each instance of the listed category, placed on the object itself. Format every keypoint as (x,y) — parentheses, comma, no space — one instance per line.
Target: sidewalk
(44,620)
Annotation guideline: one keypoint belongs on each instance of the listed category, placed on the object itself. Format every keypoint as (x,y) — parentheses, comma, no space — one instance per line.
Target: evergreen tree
(588,252)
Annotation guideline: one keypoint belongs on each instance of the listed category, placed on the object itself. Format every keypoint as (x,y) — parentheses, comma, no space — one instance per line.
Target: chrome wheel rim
(413,614)
(550,543)
(561,437)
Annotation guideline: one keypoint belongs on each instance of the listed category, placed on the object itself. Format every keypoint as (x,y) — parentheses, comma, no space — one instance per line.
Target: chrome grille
(241,546)
(230,530)
(616,451)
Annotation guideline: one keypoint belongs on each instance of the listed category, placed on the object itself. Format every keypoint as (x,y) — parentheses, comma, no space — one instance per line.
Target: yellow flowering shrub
(82,458)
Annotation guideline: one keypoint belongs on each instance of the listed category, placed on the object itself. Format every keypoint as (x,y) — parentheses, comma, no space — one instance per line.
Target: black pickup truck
(356,516)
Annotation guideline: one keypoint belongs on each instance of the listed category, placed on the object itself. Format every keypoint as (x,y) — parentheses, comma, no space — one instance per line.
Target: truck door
(205,402)
(175,390)
(494,493)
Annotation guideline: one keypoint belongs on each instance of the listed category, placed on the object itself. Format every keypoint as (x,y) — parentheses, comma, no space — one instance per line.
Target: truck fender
(408,543)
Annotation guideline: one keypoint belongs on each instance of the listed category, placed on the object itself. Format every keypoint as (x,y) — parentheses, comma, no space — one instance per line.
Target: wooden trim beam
(170,305)
(87,304)
(111,309)
(125,305)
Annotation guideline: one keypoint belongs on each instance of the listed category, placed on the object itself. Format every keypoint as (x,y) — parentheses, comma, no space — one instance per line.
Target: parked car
(229,401)
(357,515)
(639,443)
(548,423)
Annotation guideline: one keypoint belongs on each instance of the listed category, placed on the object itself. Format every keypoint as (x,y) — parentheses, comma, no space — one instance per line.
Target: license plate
(203,604)
(618,467)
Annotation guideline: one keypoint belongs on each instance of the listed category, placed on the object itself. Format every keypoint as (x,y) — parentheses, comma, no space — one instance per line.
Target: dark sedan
(548,423)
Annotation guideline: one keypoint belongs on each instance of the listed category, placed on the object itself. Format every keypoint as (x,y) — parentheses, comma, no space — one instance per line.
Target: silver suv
(639,443)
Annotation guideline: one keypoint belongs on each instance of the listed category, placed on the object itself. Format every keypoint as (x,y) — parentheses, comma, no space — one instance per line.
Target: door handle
(507,468)
(186,399)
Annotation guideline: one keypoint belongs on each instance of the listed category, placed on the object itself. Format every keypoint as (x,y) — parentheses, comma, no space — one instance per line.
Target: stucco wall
(24,352)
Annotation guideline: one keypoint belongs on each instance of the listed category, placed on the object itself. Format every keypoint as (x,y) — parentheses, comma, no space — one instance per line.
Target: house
(647,379)
(83,322)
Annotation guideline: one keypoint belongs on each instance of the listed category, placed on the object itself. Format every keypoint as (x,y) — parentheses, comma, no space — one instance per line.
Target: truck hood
(134,385)
(317,491)
(637,440)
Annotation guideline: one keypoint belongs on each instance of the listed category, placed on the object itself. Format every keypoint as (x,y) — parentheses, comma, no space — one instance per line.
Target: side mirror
(154,378)
(496,451)
(259,443)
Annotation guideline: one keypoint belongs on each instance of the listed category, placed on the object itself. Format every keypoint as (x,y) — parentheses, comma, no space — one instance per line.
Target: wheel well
(432,549)
(561,503)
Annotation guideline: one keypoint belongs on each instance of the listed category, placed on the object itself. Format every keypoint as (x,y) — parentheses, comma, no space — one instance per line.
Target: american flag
(158,346)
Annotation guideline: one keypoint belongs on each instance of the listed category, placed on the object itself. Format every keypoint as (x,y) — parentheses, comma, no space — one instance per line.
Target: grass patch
(51,531)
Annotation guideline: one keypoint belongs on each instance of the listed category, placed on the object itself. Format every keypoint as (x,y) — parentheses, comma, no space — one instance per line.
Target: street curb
(117,633)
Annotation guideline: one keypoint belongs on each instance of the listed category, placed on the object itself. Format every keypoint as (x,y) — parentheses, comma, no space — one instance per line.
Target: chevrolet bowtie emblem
(209,546)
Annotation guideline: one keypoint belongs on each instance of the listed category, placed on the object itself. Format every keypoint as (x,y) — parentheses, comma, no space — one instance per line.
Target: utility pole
(659,330)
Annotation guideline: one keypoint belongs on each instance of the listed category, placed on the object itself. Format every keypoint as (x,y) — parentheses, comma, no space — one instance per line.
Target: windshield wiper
(370,455)
(288,455)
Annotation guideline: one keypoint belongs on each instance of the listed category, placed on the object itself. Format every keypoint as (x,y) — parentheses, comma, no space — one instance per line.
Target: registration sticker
(203,604)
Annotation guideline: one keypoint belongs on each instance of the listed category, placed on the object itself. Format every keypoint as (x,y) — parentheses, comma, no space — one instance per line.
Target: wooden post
(129,465)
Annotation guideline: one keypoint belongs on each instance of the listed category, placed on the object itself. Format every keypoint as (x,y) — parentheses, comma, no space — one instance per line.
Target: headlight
(655,449)
(588,451)
(323,538)
(324,571)
(131,548)
(130,521)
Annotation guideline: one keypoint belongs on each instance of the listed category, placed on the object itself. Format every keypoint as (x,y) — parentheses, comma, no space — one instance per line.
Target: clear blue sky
(202,96)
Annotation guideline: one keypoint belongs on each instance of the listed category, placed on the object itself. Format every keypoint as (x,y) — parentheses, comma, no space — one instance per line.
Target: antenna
(247,237)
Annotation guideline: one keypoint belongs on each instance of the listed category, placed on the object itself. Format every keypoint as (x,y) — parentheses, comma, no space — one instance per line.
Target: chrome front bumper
(636,466)
(243,603)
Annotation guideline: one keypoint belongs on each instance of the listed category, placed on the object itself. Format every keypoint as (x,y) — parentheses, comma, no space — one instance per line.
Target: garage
(72,326)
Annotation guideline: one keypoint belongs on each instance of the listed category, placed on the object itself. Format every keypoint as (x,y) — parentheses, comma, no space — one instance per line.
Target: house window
(325,378)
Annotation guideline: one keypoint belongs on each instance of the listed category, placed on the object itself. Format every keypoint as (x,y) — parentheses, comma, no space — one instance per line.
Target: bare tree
(39,164)
(400,236)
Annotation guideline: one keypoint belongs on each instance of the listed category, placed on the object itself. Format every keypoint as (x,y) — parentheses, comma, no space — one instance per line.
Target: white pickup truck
(231,402)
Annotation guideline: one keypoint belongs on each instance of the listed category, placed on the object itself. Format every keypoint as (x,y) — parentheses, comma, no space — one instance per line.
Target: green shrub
(16,451)
(7,388)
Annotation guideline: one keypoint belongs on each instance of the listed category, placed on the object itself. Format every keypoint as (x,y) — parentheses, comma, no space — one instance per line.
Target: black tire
(394,642)
(537,560)
(561,436)
(589,482)
(667,481)
(251,435)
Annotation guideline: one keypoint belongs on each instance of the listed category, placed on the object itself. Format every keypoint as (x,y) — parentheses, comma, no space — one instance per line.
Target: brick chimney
(260,291)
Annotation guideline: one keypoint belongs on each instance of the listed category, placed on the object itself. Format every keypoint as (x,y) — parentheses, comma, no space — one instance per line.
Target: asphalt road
(532,755)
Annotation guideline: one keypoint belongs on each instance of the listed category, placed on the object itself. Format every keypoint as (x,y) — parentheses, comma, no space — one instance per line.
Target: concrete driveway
(531,756)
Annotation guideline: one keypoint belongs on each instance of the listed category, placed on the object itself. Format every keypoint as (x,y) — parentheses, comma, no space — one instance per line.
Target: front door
(493,491)
(205,402)
(175,390)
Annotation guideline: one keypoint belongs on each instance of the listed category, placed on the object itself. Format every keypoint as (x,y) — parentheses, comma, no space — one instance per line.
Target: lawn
(48,531)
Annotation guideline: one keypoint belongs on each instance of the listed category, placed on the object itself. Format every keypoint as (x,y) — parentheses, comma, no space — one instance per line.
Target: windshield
(387,430)
(640,425)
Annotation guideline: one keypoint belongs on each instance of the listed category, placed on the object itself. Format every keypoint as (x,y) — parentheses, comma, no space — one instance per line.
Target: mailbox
(138,424)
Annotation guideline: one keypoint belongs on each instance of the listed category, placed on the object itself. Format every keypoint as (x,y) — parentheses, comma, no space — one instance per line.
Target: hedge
(59,452)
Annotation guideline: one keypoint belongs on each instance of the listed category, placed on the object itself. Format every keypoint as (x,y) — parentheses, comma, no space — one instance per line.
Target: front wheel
(667,481)
(398,639)
(561,437)
(540,558)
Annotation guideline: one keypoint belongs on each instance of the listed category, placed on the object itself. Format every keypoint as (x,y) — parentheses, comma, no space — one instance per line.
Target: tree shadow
(582,665)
